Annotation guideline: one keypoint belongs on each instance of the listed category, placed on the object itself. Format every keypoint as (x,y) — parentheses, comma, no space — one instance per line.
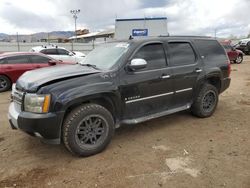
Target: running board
(156,115)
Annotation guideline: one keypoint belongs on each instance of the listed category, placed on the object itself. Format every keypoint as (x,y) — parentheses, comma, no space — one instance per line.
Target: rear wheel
(239,59)
(206,101)
(5,83)
(88,129)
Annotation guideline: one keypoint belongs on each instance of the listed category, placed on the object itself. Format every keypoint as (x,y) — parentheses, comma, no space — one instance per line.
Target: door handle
(165,76)
(198,70)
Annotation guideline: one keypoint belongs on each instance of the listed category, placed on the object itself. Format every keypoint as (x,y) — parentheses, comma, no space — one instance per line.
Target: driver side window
(154,55)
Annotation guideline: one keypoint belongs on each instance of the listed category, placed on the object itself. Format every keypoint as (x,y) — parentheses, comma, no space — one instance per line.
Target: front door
(65,55)
(149,90)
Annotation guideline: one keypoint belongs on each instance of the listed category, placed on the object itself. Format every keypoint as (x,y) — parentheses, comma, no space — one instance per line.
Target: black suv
(125,82)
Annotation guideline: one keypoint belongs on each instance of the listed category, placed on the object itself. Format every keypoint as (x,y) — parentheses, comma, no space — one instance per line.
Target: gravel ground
(174,151)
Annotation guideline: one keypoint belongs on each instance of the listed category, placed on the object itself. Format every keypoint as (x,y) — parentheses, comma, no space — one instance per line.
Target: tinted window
(211,50)
(153,54)
(2,61)
(62,52)
(39,59)
(18,60)
(181,53)
(50,51)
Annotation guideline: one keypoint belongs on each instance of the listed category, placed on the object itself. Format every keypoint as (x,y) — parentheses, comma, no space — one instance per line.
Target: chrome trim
(183,90)
(151,97)
(160,95)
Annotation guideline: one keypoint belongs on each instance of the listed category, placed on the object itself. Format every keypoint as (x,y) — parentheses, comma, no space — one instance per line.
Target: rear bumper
(46,126)
(225,84)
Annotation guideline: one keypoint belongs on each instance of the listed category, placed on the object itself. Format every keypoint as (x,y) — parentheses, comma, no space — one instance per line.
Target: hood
(32,80)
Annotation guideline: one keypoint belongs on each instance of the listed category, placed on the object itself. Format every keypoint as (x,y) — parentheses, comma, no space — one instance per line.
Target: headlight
(36,103)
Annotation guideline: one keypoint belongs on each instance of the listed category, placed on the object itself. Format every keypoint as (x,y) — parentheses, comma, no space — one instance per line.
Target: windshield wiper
(90,65)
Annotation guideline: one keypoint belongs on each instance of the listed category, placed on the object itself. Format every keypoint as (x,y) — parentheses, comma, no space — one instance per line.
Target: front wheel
(206,101)
(88,129)
(239,59)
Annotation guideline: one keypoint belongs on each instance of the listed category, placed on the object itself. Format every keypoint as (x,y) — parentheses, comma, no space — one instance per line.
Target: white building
(140,27)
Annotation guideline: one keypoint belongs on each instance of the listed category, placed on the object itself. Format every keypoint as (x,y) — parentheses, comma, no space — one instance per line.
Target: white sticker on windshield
(122,45)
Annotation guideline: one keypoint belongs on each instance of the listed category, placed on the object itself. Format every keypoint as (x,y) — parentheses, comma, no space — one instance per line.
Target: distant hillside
(37,36)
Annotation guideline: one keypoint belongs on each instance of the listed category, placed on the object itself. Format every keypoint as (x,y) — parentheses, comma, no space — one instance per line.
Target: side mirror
(137,63)
(52,62)
(71,54)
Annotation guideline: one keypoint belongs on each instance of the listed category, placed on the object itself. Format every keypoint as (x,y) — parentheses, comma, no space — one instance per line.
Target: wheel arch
(107,100)
(213,79)
(2,74)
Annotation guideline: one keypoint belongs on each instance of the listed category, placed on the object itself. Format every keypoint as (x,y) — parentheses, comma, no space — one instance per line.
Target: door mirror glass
(137,63)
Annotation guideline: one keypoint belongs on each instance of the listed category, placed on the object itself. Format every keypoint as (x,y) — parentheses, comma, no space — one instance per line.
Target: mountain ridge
(36,36)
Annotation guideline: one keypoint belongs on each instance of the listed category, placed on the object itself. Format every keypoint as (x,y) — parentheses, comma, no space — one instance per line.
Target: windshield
(106,55)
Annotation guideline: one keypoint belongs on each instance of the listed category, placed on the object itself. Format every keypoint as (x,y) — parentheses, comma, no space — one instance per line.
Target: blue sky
(192,17)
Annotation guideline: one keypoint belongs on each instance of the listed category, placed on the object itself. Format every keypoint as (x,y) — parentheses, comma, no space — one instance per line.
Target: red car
(14,64)
(234,55)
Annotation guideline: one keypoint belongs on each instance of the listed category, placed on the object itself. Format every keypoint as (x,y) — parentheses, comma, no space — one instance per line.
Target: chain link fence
(24,47)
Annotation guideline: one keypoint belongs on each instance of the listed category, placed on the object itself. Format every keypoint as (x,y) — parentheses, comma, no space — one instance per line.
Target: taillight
(228,68)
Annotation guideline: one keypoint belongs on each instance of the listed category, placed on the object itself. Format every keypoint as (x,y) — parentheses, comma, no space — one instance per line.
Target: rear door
(15,66)
(186,68)
(149,90)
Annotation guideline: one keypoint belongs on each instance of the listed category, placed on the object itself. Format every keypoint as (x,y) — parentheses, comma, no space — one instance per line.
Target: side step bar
(156,115)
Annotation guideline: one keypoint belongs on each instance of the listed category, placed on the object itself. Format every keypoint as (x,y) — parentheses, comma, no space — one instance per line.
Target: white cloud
(193,17)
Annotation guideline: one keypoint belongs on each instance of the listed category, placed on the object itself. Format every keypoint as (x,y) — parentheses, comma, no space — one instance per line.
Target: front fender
(85,93)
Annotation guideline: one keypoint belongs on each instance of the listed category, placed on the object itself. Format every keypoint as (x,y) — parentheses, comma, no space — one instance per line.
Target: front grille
(17,96)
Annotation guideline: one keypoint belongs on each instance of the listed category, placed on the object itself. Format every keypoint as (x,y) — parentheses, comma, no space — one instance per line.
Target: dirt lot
(175,151)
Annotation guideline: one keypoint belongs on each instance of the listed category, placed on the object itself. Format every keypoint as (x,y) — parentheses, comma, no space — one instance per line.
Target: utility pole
(215,33)
(74,13)
(17,39)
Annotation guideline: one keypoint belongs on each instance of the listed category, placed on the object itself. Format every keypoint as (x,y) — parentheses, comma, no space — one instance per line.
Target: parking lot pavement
(174,151)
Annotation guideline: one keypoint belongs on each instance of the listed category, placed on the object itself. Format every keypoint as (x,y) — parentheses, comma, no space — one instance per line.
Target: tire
(239,59)
(206,101)
(88,129)
(5,83)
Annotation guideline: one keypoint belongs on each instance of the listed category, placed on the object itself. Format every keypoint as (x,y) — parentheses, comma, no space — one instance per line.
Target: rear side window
(50,51)
(181,53)
(210,50)
(153,54)
(39,59)
(18,60)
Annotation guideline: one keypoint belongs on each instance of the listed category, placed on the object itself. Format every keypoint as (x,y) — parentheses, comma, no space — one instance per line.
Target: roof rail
(190,36)
(164,35)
